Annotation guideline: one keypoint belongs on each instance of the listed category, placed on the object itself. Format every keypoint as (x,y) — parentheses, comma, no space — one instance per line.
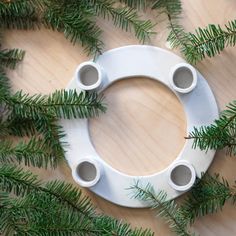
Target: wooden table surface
(143,129)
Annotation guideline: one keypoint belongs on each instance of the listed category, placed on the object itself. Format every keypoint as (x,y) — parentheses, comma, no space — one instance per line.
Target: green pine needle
(66,211)
(172,8)
(211,40)
(18,14)
(4,83)
(125,18)
(32,153)
(60,104)
(168,210)
(16,180)
(138,4)
(221,134)
(76,23)
(10,57)
(208,196)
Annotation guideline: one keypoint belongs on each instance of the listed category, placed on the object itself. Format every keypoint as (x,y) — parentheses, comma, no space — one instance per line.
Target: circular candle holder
(89,76)
(200,107)
(181,176)
(183,77)
(87,172)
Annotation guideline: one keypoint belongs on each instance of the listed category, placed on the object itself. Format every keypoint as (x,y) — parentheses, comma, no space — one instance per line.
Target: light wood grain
(143,129)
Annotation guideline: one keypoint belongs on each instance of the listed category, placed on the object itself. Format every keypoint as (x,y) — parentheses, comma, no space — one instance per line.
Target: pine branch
(221,134)
(29,214)
(207,197)
(20,182)
(34,152)
(177,37)
(109,226)
(172,8)
(60,104)
(10,57)
(16,126)
(4,84)
(76,24)
(70,213)
(125,18)
(16,180)
(138,4)
(18,14)
(168,210)
(211,40)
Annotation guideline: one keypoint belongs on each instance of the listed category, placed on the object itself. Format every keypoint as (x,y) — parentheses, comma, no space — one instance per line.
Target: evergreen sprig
(76,19)
(208,196)
(75,22)
(221,134)
(138,4)
(70,213)
(19,14)
(177,37)
(10,57)
(123,17)
(210,41)
(203,42)
(5,84)
(60,104)
(168,210)
(34,153)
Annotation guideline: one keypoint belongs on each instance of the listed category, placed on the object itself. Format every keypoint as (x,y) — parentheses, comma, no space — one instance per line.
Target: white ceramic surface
(199,105)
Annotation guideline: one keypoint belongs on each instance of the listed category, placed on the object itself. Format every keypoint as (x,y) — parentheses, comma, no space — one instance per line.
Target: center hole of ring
(86,171)
(183,78)
(143,129)
(181,175)
(88,75)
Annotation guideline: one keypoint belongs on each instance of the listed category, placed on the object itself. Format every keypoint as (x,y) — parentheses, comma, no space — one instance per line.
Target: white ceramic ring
(181,175)
(89,76)
(183,77)
(87,172)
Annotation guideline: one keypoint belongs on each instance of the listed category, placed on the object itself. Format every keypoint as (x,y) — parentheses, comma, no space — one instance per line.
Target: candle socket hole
(181,175)
(183,78)
(86,171)
(88,75)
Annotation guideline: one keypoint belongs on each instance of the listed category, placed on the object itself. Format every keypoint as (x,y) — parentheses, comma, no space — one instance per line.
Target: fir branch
(172,8)
(76,24)
(211,40)
(4,84)
(20,182)
(177,37)
(16,126)
(109,226)
(70,213)
(44,127)
(10,57)
(221,134)
(29,214)
(138,4)
(34,152)
(168,210)
(18,15)
(125,18)
(52,135)
(16,180)
(207,197)
(60,104)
